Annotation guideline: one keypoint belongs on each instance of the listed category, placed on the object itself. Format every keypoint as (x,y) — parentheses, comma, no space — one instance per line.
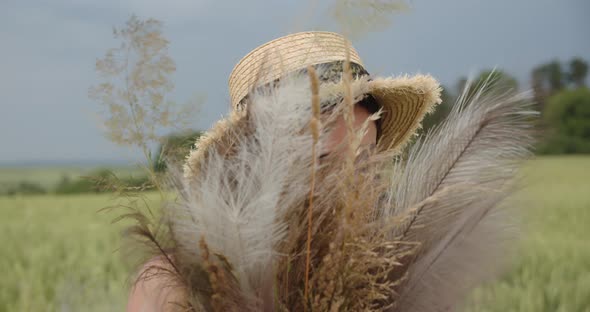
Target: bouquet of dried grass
(262,224)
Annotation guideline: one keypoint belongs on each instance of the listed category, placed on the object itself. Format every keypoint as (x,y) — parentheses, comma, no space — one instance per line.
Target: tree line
(560,94)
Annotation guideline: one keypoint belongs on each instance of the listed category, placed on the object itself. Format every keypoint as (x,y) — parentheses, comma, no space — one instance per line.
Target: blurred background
(61,128)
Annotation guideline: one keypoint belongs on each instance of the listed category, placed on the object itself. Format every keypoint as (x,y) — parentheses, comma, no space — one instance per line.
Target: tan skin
(149,295)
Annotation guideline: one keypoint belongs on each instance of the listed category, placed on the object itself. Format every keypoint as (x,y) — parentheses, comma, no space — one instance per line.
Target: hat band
(327,72)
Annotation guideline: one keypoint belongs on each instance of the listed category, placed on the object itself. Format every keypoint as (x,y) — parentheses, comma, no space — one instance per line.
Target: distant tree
(24,188)
(547,79)
(578,69)
(68,185)
(540,86)
(556,76)
(568,115)
(175,148)
(498,78)
(98,181)
(440,113)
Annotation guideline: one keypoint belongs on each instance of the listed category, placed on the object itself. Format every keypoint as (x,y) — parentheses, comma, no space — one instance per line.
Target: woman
(281,207)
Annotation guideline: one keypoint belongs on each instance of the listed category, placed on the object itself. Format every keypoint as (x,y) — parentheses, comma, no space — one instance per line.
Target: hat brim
(405,101)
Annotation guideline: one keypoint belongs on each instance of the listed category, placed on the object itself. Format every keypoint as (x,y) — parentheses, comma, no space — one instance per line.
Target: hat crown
(283,55)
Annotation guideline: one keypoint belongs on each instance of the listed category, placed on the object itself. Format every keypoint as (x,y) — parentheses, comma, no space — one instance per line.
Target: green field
(552,271)
(59,254)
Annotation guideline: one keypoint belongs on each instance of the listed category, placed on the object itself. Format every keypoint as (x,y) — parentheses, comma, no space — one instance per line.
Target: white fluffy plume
(235,204)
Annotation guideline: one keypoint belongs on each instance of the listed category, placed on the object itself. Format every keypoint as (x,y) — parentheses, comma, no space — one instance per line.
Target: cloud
(173,11)
(49,49)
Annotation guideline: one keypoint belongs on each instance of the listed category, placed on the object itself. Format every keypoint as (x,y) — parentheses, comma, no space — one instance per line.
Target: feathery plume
(248,232)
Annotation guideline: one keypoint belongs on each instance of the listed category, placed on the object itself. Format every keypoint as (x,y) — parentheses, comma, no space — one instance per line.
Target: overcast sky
(48,50)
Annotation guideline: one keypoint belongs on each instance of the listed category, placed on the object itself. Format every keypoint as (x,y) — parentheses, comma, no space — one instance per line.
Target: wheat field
(60,254)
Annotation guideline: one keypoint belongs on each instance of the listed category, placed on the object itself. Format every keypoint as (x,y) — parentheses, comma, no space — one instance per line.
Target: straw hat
(404,100)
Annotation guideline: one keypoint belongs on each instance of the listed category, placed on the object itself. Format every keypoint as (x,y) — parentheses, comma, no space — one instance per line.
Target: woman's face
(339,132)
